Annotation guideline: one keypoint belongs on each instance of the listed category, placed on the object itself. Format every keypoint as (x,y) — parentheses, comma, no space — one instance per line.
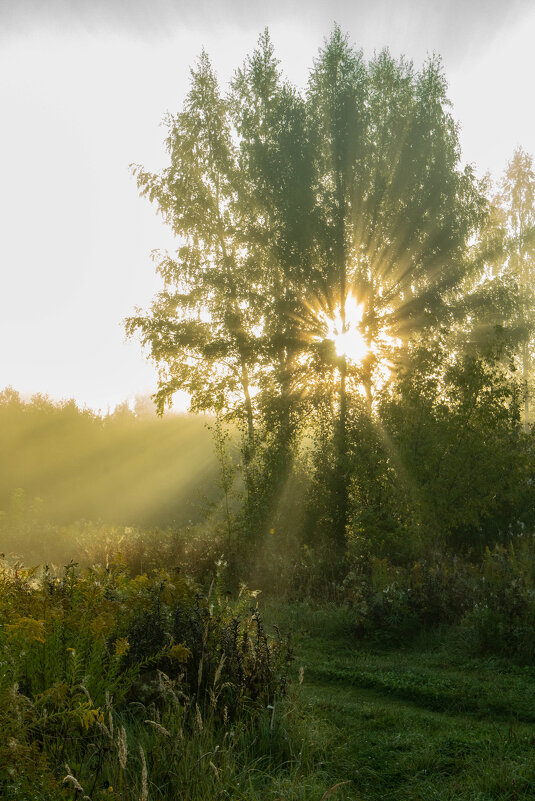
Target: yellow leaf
(179,653)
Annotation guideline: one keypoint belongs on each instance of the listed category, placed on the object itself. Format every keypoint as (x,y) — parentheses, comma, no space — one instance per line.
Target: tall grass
(134,687)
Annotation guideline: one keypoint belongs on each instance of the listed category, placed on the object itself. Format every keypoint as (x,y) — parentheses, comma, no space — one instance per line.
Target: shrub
(491,602)
(503,619)
(395,603)
(94,662)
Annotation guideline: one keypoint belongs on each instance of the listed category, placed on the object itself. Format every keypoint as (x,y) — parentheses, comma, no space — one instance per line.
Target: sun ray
(346,334)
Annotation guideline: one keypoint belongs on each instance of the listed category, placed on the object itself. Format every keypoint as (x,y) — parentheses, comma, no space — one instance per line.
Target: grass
(422,723)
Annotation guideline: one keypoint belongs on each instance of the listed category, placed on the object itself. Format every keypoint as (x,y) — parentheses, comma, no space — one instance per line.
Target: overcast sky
(83,88)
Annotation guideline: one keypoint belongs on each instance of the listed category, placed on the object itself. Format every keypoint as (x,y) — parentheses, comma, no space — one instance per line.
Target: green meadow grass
(419,723)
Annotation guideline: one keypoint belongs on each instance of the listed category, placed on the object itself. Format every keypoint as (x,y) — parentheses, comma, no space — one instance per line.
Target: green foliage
(447,463)
(488,606)
(283,205)
(516,202)
(503,619)
(133,682)
(393,604)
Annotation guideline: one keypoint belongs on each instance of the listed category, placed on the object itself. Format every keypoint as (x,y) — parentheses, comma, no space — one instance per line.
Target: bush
(395,603)
(96,665)
(492,603)
(503,619)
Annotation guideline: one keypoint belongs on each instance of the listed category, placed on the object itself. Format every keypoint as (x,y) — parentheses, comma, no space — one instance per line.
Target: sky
(83,89)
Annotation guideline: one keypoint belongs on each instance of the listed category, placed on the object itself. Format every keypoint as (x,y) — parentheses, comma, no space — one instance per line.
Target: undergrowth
(129,688)
(487,605)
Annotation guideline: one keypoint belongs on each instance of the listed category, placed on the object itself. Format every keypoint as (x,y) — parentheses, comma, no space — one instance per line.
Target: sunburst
(346,332)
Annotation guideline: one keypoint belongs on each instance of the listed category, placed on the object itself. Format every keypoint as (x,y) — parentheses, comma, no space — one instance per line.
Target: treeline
(62,464)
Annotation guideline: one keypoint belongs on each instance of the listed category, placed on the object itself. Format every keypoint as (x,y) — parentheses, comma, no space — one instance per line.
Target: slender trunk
(369,395)
(238,334)
(239,328)
(286,402)
(341,478)
(371,328)
(248,409)
(525,381)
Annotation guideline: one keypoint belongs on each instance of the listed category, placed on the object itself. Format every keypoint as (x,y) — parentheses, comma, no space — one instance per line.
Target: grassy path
(426,724)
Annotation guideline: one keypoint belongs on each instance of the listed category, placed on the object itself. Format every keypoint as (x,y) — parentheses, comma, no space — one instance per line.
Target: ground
(425,722)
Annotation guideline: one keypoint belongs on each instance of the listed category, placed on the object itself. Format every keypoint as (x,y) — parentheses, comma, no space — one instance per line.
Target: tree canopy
(322,235)
(285,203)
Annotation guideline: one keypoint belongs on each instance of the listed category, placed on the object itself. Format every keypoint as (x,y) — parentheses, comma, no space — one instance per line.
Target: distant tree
(517,198)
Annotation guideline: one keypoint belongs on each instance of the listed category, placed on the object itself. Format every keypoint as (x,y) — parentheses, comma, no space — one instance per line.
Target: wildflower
(121,647)
(179,653)
(27,627)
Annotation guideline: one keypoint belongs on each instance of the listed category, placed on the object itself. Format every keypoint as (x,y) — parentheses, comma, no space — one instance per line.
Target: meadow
(321,583)
(127,678)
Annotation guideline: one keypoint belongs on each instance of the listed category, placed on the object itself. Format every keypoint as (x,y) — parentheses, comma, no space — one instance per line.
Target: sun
(348,339)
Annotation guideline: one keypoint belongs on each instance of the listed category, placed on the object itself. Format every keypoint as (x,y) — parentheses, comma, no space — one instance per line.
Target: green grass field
(419,723)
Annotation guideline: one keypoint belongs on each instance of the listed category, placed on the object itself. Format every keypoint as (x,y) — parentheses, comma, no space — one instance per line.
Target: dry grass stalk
(216,772)
(199,717)
(332,790)
(144,776)
(158,727)
(219,669)
(122,747)
(199,674)
(69,778)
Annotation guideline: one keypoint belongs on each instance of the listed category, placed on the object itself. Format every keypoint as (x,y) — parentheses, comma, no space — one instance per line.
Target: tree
(455,454)
(395,213)
(517,199)
(276,203)
(200,329)
(290,209)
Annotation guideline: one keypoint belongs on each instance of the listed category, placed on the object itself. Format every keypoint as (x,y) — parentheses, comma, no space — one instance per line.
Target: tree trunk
(341,477)
(525,381)
(248,411)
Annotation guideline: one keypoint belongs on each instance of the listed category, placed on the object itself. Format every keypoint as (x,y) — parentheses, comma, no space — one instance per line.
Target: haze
(84,87)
